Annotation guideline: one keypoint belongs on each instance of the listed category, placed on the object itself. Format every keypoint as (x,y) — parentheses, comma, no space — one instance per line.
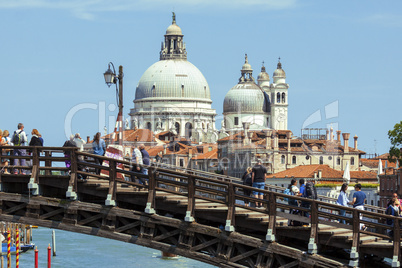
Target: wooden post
(272,217)
(230,219)
(48,163)
(354,252)
(397,243)
(33,184)
(312,246)
(191,199)
(72,184)
(111,196)
(150,207)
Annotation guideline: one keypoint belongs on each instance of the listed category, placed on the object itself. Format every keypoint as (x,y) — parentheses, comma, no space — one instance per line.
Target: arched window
(177,127)
(294,160)
(153,91)
(149,125)
(352,161)
(321,160)
(182,90)
(338,161)
(282,159)
(283,97)
(236,121)
(278,97)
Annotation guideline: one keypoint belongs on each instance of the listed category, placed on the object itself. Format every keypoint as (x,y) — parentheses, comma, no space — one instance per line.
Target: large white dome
(173,79)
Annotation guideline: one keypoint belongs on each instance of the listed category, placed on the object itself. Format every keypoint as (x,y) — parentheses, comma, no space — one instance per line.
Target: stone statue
(135,123)
(105,130)
(127,124)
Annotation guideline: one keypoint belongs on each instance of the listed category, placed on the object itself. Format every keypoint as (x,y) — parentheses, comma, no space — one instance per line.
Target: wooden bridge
(191,213)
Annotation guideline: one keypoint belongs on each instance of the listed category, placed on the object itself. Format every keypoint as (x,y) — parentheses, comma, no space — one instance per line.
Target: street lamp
(110,78)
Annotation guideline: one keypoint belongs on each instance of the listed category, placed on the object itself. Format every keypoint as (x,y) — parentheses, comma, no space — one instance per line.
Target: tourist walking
(137,162)
(99,147)
(19,138)
(258,179)
(145,159)
(79,142)
(393,210)
(35,140)
(343,201)
(247,180)
(395,195)
(67,153)
(359,198)
(5,141)
(293,190)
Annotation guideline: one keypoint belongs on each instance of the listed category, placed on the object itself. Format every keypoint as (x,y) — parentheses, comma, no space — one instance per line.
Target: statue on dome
(135,123)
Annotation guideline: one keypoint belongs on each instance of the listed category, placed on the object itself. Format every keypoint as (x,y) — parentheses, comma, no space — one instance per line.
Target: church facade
(173,95)
(256,104)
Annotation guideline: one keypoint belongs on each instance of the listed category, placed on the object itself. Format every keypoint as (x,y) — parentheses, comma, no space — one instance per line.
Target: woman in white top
(343,201)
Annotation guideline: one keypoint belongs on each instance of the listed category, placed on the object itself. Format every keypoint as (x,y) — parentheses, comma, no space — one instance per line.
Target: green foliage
(395,137)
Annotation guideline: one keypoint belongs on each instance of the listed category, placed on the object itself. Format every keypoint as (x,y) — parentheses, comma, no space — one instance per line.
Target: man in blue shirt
(304,204)
(145,159)
(359,198)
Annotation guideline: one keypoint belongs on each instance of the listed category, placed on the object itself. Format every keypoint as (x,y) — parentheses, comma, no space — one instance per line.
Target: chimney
(164,149)
(88,139)
(315,174)
(288,136)
(346,142)
(338,136)
(331,135)
(327,135)
(355,145)
(268,141)
(319,173)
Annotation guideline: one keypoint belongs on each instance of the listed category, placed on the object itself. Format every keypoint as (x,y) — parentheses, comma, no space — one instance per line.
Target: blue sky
(342,59)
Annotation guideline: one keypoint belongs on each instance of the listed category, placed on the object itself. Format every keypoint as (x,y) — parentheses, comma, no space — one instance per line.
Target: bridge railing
(227,192)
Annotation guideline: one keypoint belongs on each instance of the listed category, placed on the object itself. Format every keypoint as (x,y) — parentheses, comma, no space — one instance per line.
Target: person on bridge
(136,158)
(393,210)
(99,147)
(359,198)
(343,201)
(35,141)
(19,138)
(145,159)
(395,195)
(5,141)
(258,179)
(247,181)
(67,153)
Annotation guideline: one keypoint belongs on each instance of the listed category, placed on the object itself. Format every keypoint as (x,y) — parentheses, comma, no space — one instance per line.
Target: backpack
(288,192)
(311,191)
(17,139)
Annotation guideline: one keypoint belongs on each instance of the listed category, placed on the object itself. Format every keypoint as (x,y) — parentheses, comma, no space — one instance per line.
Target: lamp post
(110,78)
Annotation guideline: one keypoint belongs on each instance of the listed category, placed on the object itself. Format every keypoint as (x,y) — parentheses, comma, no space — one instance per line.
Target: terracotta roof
(208,155)
(155,150)
(140,135)
(373,163)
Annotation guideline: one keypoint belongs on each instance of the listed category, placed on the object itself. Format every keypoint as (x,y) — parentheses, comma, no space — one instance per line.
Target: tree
(395,136)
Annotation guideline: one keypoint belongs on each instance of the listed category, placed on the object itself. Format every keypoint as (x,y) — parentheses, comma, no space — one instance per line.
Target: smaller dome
(279,72)
(246,66)
(173,30)
(263,76)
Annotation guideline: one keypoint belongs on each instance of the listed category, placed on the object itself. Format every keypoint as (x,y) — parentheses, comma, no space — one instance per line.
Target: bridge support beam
(71,194)
(33,186)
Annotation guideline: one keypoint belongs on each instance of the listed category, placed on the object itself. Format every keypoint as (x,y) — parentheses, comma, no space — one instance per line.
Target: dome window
(153,91)
(177,127)
(283,97)
(278,97)
(236,121)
